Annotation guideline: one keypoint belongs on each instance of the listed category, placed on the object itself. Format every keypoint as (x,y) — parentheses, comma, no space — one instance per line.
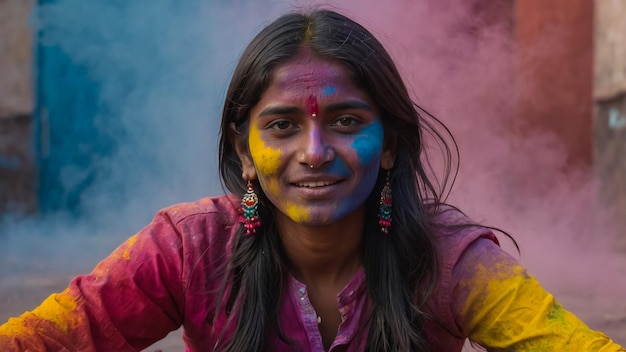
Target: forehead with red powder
(312,106)
(307,80)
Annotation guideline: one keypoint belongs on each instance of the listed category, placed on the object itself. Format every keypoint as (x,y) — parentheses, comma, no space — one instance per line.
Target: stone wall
(17,170)
(16,92)
(17,167)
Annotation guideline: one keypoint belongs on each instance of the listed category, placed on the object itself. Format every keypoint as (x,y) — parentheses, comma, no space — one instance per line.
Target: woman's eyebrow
(294,110)
(348,105)
(281,110)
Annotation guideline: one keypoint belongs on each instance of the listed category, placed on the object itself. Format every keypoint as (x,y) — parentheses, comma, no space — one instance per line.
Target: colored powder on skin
(297,213)
(328,90)
(313,106)
(338,168)
(271,187)
(369,144)
(266,159)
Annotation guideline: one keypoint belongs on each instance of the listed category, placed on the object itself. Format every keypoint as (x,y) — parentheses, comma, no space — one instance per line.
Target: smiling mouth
(316,184)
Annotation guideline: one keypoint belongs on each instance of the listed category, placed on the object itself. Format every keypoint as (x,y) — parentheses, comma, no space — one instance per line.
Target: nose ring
(311,166)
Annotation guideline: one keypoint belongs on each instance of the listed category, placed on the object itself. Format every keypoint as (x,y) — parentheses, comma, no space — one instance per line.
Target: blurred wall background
(17,167)
(57,133)
(609,115)
(108,112)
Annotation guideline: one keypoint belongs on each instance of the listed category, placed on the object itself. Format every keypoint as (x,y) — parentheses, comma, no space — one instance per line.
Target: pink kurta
(167,275)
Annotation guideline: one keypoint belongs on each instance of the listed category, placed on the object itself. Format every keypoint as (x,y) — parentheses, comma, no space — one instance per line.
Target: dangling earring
(384,214)
(249,216)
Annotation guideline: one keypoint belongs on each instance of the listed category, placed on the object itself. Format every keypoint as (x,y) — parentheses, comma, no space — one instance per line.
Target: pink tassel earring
(249,216)
(384,214)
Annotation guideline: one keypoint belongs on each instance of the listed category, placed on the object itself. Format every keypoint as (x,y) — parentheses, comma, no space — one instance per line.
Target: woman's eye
(345,121)
(281,125)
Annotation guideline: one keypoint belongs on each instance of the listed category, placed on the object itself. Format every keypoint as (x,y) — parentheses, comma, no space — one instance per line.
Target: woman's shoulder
(447,215)
(191,231)
(206,222)
(223,208)
(454,231)
(454,234)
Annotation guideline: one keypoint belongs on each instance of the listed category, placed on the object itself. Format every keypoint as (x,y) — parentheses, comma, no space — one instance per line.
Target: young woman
(335,238)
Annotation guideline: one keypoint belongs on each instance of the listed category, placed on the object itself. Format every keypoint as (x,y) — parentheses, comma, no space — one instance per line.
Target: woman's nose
(315,149)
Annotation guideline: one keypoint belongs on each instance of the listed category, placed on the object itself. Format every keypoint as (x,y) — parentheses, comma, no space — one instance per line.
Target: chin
(320,219)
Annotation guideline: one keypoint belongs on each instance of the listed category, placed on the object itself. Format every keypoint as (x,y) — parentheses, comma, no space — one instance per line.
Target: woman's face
(316,142)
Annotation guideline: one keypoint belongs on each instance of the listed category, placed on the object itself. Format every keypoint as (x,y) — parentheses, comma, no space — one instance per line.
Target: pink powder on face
(313,106)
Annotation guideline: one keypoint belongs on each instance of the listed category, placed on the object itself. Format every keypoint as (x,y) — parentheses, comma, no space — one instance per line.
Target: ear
(248,171)
(388,157)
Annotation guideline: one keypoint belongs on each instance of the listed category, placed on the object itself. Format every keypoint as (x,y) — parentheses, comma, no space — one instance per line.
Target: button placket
(308,317)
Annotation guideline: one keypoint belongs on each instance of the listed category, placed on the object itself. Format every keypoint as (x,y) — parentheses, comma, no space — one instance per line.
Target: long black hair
(395,264)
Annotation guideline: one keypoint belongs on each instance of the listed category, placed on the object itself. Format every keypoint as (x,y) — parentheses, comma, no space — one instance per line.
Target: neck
(326,254)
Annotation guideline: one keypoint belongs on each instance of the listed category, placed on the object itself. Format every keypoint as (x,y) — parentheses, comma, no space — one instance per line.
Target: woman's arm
(130,300)
(500,306)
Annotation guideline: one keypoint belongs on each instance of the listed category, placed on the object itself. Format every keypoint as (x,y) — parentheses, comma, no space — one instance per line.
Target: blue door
(129,97)
(67,139)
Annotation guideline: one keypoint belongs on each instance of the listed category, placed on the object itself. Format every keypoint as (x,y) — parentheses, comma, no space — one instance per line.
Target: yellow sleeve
(130,300)
(51,326)
(501,307)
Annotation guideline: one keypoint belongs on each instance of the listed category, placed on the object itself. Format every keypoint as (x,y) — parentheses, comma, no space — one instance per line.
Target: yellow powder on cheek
(266,159)
(271,187)
(294,211)
(297,213)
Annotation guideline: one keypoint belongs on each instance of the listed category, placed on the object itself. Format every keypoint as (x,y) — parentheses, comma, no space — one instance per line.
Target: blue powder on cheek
(339,168)
(369,143)
(358,196)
